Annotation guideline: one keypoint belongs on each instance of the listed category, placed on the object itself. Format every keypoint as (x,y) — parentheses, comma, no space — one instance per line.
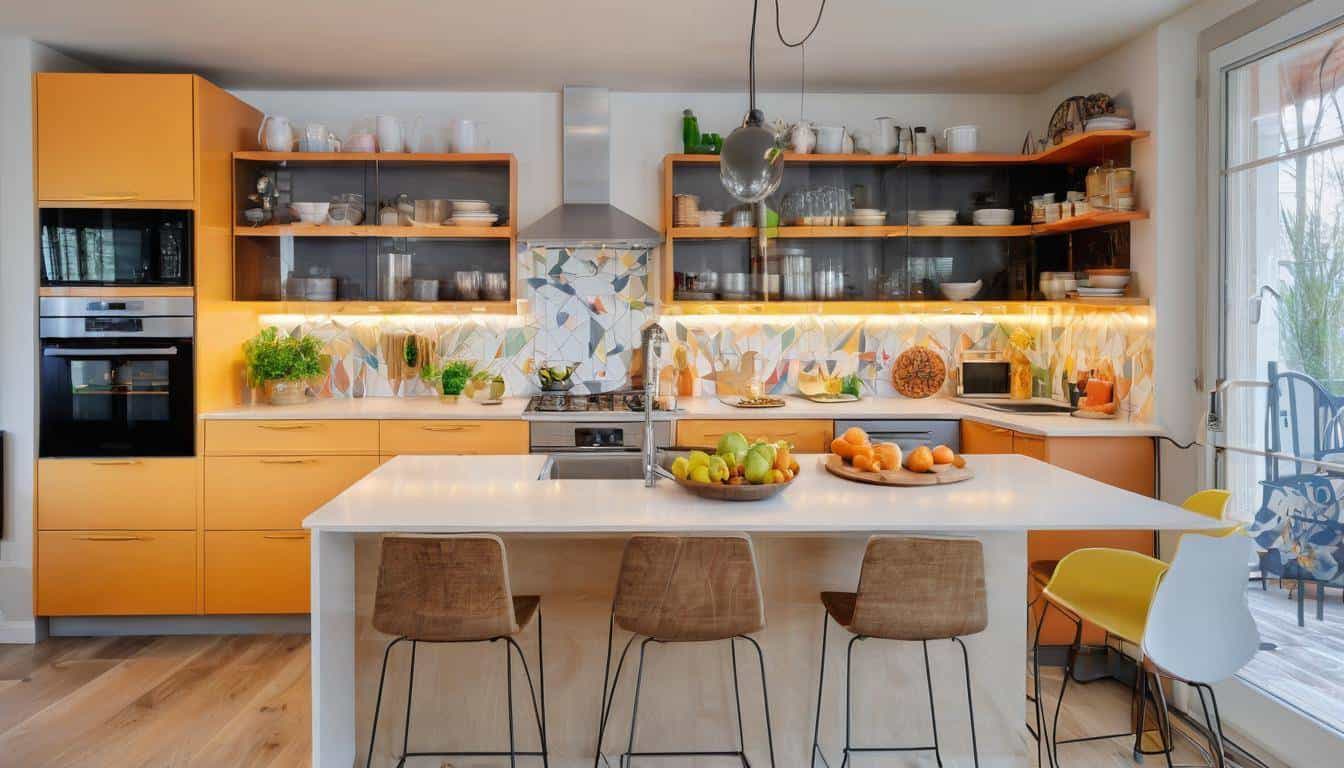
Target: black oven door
(115,246)
(116,397)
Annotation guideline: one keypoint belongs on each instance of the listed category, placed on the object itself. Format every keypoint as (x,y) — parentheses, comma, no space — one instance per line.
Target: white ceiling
(965,46)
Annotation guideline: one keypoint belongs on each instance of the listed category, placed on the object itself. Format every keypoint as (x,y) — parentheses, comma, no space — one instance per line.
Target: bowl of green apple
(737,469)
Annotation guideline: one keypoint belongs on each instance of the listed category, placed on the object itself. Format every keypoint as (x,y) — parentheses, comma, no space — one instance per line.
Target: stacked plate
(936,218)
(470,206)
(868,217)
(1108,123)
(710,219)
(1091,292)
(993,217)
(468,219)
(685,211)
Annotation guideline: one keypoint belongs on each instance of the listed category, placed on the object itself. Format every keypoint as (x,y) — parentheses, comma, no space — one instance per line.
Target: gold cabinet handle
(1000,431)
(1031,438)
(109,198)
(116,462)
(284,427)
(288,461)
(450,428)
(283,536)
(107,538)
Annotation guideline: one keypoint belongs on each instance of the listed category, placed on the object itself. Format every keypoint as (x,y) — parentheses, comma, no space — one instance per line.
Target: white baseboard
(18,632)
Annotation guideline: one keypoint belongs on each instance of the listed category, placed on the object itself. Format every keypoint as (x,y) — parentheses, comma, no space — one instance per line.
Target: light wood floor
(1306,668)
(243,702)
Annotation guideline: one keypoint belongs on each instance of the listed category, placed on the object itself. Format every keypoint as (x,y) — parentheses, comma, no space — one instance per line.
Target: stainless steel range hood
(587,216)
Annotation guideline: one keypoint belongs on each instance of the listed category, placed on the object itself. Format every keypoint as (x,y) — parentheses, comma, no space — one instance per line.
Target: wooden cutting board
(898,477)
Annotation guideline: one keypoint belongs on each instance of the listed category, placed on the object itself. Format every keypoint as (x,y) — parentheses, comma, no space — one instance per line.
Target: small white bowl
(961,291)
(1107,281)
(310,213)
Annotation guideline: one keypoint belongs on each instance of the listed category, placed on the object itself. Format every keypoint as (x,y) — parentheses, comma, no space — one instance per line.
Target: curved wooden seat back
(689,588)
(921,589)
(444,588)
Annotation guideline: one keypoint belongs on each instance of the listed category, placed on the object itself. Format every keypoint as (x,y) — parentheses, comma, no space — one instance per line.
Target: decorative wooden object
(919,372)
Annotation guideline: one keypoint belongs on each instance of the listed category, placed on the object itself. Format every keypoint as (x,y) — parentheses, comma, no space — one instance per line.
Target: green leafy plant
(455,376)
(271,356)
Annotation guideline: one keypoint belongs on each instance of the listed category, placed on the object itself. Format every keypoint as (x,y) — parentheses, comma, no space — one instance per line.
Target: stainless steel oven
(115,246)
(116,377)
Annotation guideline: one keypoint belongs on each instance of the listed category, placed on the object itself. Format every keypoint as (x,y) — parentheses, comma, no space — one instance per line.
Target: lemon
(681,467)
(700,474)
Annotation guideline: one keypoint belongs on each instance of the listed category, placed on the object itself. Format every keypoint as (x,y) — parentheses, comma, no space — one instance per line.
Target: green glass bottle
(690,131)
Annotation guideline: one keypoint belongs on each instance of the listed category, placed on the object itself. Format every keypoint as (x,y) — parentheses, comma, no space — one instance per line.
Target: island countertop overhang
(502,494)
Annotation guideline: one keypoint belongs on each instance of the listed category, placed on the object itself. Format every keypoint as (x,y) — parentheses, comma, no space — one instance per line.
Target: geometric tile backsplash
(588,306)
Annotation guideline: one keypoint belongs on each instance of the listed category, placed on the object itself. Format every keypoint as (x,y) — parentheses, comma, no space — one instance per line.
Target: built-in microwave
(115,246)
(984,374)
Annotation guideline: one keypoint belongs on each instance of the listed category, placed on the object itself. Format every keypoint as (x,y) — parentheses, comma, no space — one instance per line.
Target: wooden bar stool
(910,589)
(454,589)
(685,589)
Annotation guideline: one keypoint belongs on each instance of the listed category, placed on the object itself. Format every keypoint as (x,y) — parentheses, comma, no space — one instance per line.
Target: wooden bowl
(722,492)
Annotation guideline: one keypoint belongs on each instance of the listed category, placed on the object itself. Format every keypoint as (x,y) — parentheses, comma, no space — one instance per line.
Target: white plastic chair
(1200,629)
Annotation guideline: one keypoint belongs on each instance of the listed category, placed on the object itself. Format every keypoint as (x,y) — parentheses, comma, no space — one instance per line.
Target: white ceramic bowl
(961,291)
(310,213)
(1107,281)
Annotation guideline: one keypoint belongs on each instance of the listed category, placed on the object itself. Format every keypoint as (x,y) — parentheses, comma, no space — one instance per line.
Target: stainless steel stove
(593,448)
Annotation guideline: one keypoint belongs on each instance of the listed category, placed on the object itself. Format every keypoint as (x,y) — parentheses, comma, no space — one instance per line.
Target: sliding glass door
(1277,225)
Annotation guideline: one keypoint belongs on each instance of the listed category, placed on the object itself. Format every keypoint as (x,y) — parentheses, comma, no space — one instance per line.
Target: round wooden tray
(1081,414)
(898,477)
(842,397)
(739,404)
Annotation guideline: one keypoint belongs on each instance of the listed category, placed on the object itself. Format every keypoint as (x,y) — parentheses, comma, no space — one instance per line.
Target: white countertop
(697,408)
(501,494)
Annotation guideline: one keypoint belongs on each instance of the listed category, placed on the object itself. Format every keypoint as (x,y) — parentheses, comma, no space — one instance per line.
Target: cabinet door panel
(977,437)
(275,492)
(116,573)
(101,494)
(256,572)
(112,138)
(290,436)
(807,435)
(454,437)
(1030,445)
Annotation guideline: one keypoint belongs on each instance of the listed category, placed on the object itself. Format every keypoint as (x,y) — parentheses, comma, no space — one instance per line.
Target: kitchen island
(564,540)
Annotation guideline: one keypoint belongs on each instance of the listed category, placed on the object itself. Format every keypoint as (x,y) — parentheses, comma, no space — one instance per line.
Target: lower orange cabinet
(256,572)
(84,494)
(275,492)
(116,573)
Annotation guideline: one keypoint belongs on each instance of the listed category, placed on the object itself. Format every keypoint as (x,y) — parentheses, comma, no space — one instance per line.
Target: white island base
(564,541)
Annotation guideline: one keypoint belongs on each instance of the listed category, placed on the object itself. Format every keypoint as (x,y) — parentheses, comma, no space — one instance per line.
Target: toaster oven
(983,374)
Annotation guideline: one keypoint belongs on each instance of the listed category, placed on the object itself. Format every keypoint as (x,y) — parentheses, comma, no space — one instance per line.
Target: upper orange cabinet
(115,138)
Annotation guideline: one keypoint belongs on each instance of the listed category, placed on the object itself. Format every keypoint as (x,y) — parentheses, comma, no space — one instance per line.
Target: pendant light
(751,165)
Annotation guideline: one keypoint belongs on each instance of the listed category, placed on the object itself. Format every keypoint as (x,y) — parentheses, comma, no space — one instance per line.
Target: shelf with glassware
(922,224)
(359,233)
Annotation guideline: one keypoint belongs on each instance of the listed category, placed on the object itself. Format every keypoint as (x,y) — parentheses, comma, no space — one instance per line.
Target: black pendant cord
(779,32)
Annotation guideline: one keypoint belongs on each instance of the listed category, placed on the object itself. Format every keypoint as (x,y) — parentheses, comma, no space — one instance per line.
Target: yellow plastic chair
(1211,503)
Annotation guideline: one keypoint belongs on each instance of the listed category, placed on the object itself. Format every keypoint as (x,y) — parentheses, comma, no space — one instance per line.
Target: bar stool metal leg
(378,702)
(508,676)
(821,682)
(737,699)
(970,703)
(609,695)
(765,700)
(933,717)
(627,758)
(410,690)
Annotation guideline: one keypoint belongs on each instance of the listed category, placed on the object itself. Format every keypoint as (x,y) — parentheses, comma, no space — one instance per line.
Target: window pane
(1287,100)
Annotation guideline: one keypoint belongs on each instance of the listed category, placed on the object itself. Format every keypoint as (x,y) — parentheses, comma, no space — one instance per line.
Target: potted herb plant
(283,365)
(454,377)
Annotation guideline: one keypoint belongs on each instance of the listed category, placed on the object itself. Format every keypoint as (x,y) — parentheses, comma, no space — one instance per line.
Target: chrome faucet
(652,339)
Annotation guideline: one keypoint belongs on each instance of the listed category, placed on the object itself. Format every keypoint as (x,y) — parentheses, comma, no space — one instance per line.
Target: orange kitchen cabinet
(398,436)
(116,573)
(806,435)
(290,437)
(977,437)
(1030,445)
(256,572)
(115,138)
(100,494)
(275,492)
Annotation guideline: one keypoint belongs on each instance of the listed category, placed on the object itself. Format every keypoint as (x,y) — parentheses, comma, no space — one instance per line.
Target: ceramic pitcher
(276,134)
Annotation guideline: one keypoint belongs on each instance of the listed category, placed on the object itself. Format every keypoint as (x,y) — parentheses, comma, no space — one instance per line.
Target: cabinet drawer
(442,436)
(139,147)
(1030,445)
(807,435)
(256,572)
(275,492)
(116,573)
(985,438)
(290,437)
(99,494)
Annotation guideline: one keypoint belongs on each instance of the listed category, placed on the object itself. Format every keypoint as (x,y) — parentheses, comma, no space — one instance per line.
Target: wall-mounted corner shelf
(331,230)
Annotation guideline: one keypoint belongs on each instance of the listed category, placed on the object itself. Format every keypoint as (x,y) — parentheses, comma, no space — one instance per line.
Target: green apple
(699,459)
(756,467)
(733,444)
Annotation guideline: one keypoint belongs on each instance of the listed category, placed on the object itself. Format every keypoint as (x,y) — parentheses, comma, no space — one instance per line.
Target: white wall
(644,126)
(19,60)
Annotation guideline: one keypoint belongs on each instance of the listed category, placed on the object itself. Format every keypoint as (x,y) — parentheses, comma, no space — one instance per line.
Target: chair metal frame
(849,670)
(610,683)
(538,711)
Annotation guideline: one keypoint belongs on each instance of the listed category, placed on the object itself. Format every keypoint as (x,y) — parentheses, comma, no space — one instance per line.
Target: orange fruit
(920,460)
(863,463)
(842,448)
(889,454)
(878,466)
(793,465)
(958,461)
(864,450)
(856,436)
(943,455)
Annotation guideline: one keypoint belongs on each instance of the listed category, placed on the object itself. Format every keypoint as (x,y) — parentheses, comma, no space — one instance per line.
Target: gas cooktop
(626,400)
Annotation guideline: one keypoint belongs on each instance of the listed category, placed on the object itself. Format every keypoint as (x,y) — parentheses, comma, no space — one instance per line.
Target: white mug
(923,144)
(317,138)
(884,136)
(390,137)
(466,136)
(961,139)
(830,139)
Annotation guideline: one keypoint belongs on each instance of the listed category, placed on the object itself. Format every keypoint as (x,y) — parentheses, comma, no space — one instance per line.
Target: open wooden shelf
(711,233)
(1080,149)
(330,230)
(1012,230)
(1088,221)
(346,307)
(885,307)
(380,157)
(1109,301)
